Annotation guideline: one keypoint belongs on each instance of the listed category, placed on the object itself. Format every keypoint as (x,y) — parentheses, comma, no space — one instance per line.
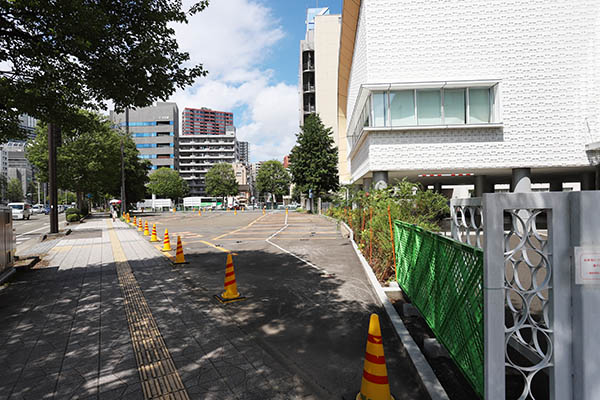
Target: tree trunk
(79,200)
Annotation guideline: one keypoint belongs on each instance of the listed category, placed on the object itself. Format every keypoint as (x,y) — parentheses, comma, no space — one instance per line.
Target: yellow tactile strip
(158,375)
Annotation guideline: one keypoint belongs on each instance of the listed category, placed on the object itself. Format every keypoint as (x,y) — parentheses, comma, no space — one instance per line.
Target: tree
(221,182)
(58,57)
(89,159)
(313,160)
(15,190)
(273,179)
(166,183)
(3,185)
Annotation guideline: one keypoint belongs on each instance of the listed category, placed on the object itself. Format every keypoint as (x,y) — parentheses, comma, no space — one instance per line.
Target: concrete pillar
(556,185)
(521,180)
(380,179)
(482,185)
(588,181)
(367,184)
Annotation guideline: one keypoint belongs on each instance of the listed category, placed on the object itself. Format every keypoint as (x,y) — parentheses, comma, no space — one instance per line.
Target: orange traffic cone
(264,210)
(154,238)
(230,294)
(146,231)
(234,211)
(140,226)
(375,384)
(179,258)
(199,212)
(127,218)
(166,242)
(134,221)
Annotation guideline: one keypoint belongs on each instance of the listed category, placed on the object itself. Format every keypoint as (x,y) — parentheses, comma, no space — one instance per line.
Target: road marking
(224,250)
(39,229)
(158,374)
(244,227)
(268,240)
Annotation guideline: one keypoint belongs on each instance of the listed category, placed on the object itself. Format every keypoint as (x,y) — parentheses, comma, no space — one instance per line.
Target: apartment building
(319,67)
(155,131)
(479,93)
(244,152)
(204,121)
(198,153)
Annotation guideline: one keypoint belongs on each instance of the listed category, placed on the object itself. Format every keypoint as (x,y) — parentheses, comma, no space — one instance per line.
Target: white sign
(587,265)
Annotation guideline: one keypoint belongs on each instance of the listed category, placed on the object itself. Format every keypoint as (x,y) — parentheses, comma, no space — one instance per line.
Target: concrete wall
(546,55)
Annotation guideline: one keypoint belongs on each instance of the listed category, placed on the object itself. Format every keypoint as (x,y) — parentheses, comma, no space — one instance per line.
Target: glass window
(454,106)
(379,109)
(479,105)
(402,108)
(429,107)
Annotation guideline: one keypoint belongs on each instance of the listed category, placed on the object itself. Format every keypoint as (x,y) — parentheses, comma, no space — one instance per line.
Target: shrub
(73,217)
(72,210)
(367,215)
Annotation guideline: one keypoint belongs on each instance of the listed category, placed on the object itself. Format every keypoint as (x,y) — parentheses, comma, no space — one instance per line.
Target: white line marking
(268,240)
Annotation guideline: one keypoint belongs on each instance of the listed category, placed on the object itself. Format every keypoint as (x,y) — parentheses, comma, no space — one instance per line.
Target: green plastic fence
(444,279)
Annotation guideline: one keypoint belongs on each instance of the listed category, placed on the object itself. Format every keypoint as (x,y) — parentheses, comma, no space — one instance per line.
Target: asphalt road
(27,230)
(308,298)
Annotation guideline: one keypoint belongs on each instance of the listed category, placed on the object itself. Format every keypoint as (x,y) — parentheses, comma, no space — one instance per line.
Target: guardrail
(444,279)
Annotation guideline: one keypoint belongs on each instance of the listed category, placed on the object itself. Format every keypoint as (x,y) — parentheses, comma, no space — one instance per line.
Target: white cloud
(232,39)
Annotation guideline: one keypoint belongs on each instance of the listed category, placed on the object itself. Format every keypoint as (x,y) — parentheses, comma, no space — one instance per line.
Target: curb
(5,276)
(428,377)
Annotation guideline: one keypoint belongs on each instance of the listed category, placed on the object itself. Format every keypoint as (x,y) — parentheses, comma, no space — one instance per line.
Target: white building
(470,92)
(198,153)
(319,67)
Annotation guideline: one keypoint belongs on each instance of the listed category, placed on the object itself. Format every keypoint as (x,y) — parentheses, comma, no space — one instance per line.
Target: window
(402,108)
(145,145)
(454,106)
(479,105)
(380,109)
(429,107)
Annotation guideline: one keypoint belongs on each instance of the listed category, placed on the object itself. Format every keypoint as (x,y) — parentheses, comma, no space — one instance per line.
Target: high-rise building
(155,132)
(204,121)
(244,153)
(452,96)
(18,167)
(319,67)
(198,153)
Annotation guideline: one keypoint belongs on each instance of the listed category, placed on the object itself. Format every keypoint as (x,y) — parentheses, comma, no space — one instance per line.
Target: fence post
(392,236)
(493,299)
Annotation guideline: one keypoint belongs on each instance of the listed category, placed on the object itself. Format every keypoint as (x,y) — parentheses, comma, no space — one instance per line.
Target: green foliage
(89,159)
(120,50)
(73,217)
(313,161)
(407,202)
(14,192)
(220,181)
(166,183)
(272,178)
(72,210)
(66,197)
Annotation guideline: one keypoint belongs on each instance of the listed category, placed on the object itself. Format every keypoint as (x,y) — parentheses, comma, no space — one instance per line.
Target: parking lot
(308,299)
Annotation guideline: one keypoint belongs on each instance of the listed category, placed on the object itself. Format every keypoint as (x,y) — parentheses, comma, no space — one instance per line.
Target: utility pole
(53,132)
(123,196)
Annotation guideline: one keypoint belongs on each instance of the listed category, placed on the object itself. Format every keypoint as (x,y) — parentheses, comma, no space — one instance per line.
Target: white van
(20,210)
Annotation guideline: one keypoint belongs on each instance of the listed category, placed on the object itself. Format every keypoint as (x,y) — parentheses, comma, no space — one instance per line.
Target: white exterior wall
(546,55)
(327,48)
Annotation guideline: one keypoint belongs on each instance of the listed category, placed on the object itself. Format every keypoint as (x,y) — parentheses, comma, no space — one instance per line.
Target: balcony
(308,88)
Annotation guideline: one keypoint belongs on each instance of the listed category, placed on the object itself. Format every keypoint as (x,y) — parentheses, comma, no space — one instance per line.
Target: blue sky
(250,48)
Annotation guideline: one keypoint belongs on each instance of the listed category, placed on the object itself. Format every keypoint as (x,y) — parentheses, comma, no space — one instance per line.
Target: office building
(198,153)
(17,165)
(481,93)
(319,67)
(204,121)
(155,131)
(244,153)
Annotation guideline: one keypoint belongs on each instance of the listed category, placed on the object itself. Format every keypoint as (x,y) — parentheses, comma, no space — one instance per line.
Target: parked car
(21,210)
(38,208)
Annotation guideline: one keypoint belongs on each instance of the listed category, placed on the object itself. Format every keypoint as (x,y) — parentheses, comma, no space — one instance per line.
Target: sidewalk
(65,333)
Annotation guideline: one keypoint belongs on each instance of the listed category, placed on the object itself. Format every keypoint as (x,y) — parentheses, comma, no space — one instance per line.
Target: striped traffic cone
(264,208)
(375,384)
(134,221)
(154,238)
(199,212)
(146,231)
(140,226)
(127,219)
(230,294)
(179,258)
(234,211)
(166,242)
